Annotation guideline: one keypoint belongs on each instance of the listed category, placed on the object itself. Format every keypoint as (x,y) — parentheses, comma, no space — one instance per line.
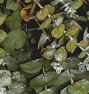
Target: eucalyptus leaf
(63,79)
(80,87)
(33,66)
(82,54)
(86,61)
(11,63)
(77,4)
(2,18)
(43,80)
(59,20)
(43,39)
(84,43)
(48,53)
(45,24)
(55,2)
(71,45)
(43,13)
(15,40)
(82,18)
(2,52)
(3,35)
(64,91)
(72,30)
(60,54)
(14,21)
(1,1)
(12,5)
(58,31)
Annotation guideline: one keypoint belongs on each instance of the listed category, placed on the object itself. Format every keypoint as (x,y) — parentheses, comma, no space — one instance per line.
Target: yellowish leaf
(58,31)
(71,45)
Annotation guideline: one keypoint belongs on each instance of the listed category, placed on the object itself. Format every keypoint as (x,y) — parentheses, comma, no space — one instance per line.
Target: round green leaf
(72,30)
(2,18)
(33,66)
(48,53)
(77,4)
(45,24)
(60,54)
(43,13)
(11,63)
(80,87)
(43,80)
(84,43)
(3,35)
(58,31)
(14,21)
(2,52)
(15,40)
(82,54)
(12,5)
(71,45)
(43,39)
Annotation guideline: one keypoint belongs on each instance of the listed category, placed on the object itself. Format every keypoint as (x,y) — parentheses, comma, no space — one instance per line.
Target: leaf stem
(21,3)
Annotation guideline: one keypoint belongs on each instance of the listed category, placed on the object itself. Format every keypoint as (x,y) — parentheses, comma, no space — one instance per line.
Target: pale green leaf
(43,39)
(58,31)
(82,54)
(77,4)
(2,52)
(15,40)
(48,53)
(14,21)
(42,80)
(80,87)
(11,63)
(45,24)
(64,91)
(1,1)
(60,54)
(43,13)
(33,66)
(71,45)
(74,29)
(84,43)
(82,18)
(12,5)
(86,61)
(3,35)
(2,18)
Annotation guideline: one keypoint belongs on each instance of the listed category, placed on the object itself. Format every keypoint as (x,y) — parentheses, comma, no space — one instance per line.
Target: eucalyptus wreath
(44,46)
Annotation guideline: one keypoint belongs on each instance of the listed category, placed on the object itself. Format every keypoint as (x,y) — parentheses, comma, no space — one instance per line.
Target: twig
(32,29)
(21,3)
(38,24)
